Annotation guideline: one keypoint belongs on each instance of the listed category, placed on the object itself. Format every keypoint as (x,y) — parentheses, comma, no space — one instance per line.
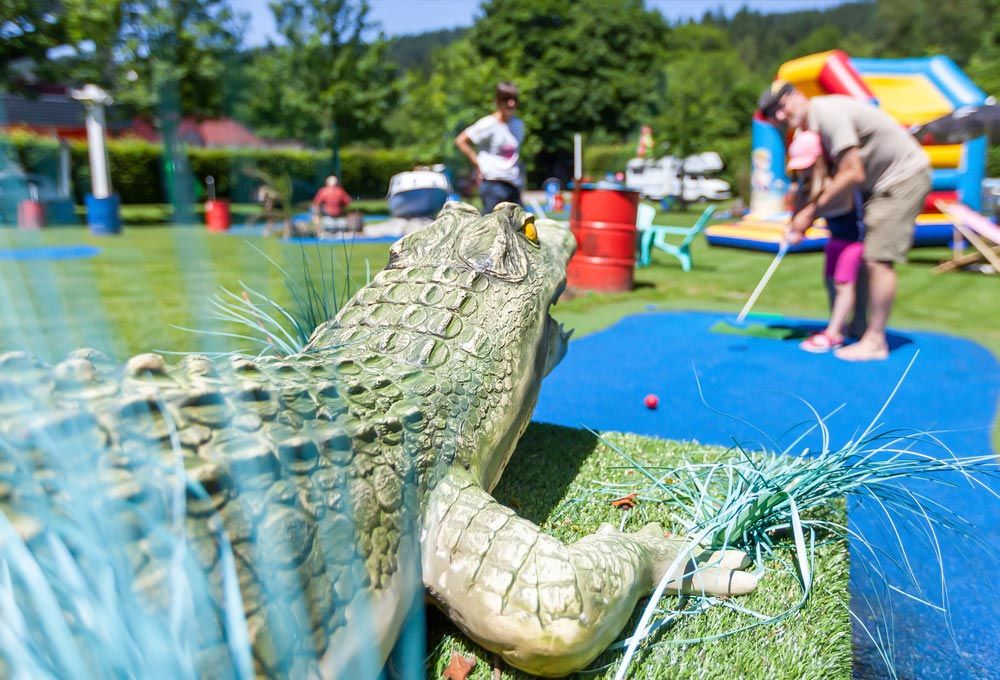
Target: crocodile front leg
(546,607)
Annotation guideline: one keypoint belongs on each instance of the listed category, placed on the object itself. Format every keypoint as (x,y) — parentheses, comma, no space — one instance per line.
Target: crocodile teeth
(564,334)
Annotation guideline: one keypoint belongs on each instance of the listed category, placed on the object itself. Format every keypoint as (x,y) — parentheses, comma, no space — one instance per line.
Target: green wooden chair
(655,236)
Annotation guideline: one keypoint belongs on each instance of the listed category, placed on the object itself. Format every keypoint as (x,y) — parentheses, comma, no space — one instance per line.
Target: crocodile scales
(315,496)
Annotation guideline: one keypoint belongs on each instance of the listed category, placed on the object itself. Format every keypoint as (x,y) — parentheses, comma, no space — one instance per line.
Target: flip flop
(821,342)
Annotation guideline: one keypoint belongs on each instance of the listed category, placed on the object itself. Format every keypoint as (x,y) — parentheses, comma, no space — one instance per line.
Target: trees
(434,107)
(585,66)
(137,48)
(709,93)
(28,29)
(908,28)
(589,66)
(176,53)
(984,66)
(325,73)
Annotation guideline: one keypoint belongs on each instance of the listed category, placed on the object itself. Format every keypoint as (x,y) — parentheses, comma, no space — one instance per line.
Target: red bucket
(30,214)
(217,215)
(604,226)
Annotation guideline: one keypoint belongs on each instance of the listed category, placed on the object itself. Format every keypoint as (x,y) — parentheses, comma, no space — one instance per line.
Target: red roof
(227,132)
(219,132)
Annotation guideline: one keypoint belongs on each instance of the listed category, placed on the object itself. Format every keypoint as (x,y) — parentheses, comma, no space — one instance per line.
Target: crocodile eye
(529,229)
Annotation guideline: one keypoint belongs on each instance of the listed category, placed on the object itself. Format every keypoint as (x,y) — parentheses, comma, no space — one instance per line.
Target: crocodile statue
(309,500)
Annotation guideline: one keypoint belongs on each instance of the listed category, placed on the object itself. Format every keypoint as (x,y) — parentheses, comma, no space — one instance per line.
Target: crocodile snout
(558,238)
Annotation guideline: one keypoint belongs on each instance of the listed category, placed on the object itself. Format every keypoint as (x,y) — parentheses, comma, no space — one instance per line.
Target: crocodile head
(516,269)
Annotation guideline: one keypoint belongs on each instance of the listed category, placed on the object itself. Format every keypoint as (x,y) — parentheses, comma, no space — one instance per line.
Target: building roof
(227,132)
(57,111)
(217,132)
(63,115)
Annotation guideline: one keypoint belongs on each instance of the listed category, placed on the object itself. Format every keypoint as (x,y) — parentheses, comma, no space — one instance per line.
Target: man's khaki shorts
(890,215)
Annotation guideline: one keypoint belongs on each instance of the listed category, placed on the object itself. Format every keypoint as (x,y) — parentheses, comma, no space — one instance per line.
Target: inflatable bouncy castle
(913,91)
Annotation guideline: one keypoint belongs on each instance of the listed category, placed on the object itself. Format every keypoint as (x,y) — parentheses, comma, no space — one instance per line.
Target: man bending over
(874,154)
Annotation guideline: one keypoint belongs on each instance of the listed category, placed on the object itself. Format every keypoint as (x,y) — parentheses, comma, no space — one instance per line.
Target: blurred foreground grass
(144,284)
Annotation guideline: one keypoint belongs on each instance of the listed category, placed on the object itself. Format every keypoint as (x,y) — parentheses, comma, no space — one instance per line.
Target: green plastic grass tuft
(272,328)
(754,330)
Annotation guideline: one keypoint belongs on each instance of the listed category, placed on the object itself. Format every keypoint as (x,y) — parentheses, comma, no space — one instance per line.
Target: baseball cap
(805,148)
(770,97)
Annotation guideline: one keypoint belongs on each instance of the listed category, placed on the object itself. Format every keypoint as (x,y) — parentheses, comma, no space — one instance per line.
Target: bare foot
(864,350)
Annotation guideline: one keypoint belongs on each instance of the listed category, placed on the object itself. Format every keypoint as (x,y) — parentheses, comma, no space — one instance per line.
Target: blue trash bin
(103,215)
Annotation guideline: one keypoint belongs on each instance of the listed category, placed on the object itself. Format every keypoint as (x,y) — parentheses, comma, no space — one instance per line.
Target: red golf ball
(651,401)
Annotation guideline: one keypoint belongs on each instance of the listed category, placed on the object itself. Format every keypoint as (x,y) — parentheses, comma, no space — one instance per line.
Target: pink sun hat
(804,150)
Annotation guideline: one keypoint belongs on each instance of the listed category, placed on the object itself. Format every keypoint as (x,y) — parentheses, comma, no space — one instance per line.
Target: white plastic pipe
(99,181)
(577,156)
(65,178)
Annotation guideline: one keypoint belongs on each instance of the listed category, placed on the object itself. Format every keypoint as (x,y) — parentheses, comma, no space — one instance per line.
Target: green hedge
(137,167)
(599,160)
(993,161)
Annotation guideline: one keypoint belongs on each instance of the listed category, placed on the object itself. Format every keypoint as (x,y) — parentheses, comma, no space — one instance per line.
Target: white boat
(418,193)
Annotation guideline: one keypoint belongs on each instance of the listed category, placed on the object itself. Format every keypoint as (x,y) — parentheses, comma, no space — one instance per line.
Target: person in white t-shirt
(497,156)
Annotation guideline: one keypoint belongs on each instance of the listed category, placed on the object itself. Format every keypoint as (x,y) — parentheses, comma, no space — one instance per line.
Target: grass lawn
(151,280)
(159,214)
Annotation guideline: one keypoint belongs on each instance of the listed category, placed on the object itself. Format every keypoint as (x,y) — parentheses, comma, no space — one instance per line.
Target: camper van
(688,179)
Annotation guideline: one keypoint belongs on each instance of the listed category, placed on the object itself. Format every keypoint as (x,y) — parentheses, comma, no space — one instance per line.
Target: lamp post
(103,213)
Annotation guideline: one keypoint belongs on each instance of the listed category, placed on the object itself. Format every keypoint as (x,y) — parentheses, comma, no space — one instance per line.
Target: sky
(401,17)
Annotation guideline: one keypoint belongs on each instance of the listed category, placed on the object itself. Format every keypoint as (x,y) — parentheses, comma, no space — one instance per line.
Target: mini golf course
(720,385)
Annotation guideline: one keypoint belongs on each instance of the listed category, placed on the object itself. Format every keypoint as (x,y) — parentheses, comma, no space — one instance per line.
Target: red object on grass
(651,401)
(217,214)
(30,214)
(603,221)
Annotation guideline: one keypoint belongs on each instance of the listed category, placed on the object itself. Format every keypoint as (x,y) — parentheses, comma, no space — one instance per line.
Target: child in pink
(844,248)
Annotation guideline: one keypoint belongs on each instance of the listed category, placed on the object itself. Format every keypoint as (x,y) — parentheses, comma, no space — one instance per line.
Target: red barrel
(604,226)
(217,214)
(30,214)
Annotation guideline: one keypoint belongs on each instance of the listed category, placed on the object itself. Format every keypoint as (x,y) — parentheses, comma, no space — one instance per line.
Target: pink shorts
(843,260)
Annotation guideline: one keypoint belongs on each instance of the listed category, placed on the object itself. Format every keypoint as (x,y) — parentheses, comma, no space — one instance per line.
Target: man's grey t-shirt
(889,153)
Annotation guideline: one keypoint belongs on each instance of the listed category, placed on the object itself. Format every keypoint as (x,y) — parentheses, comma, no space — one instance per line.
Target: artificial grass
(552,480)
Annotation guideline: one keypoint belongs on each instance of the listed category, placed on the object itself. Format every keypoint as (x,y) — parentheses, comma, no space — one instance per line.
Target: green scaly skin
(354,473)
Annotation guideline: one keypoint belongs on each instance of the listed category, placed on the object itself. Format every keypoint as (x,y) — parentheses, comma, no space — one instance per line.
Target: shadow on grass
(545,463)
(931,260)
(793,331)
(797,331)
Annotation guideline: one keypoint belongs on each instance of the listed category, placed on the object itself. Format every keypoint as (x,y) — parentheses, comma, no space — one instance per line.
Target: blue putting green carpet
(68,252)
(728,387)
